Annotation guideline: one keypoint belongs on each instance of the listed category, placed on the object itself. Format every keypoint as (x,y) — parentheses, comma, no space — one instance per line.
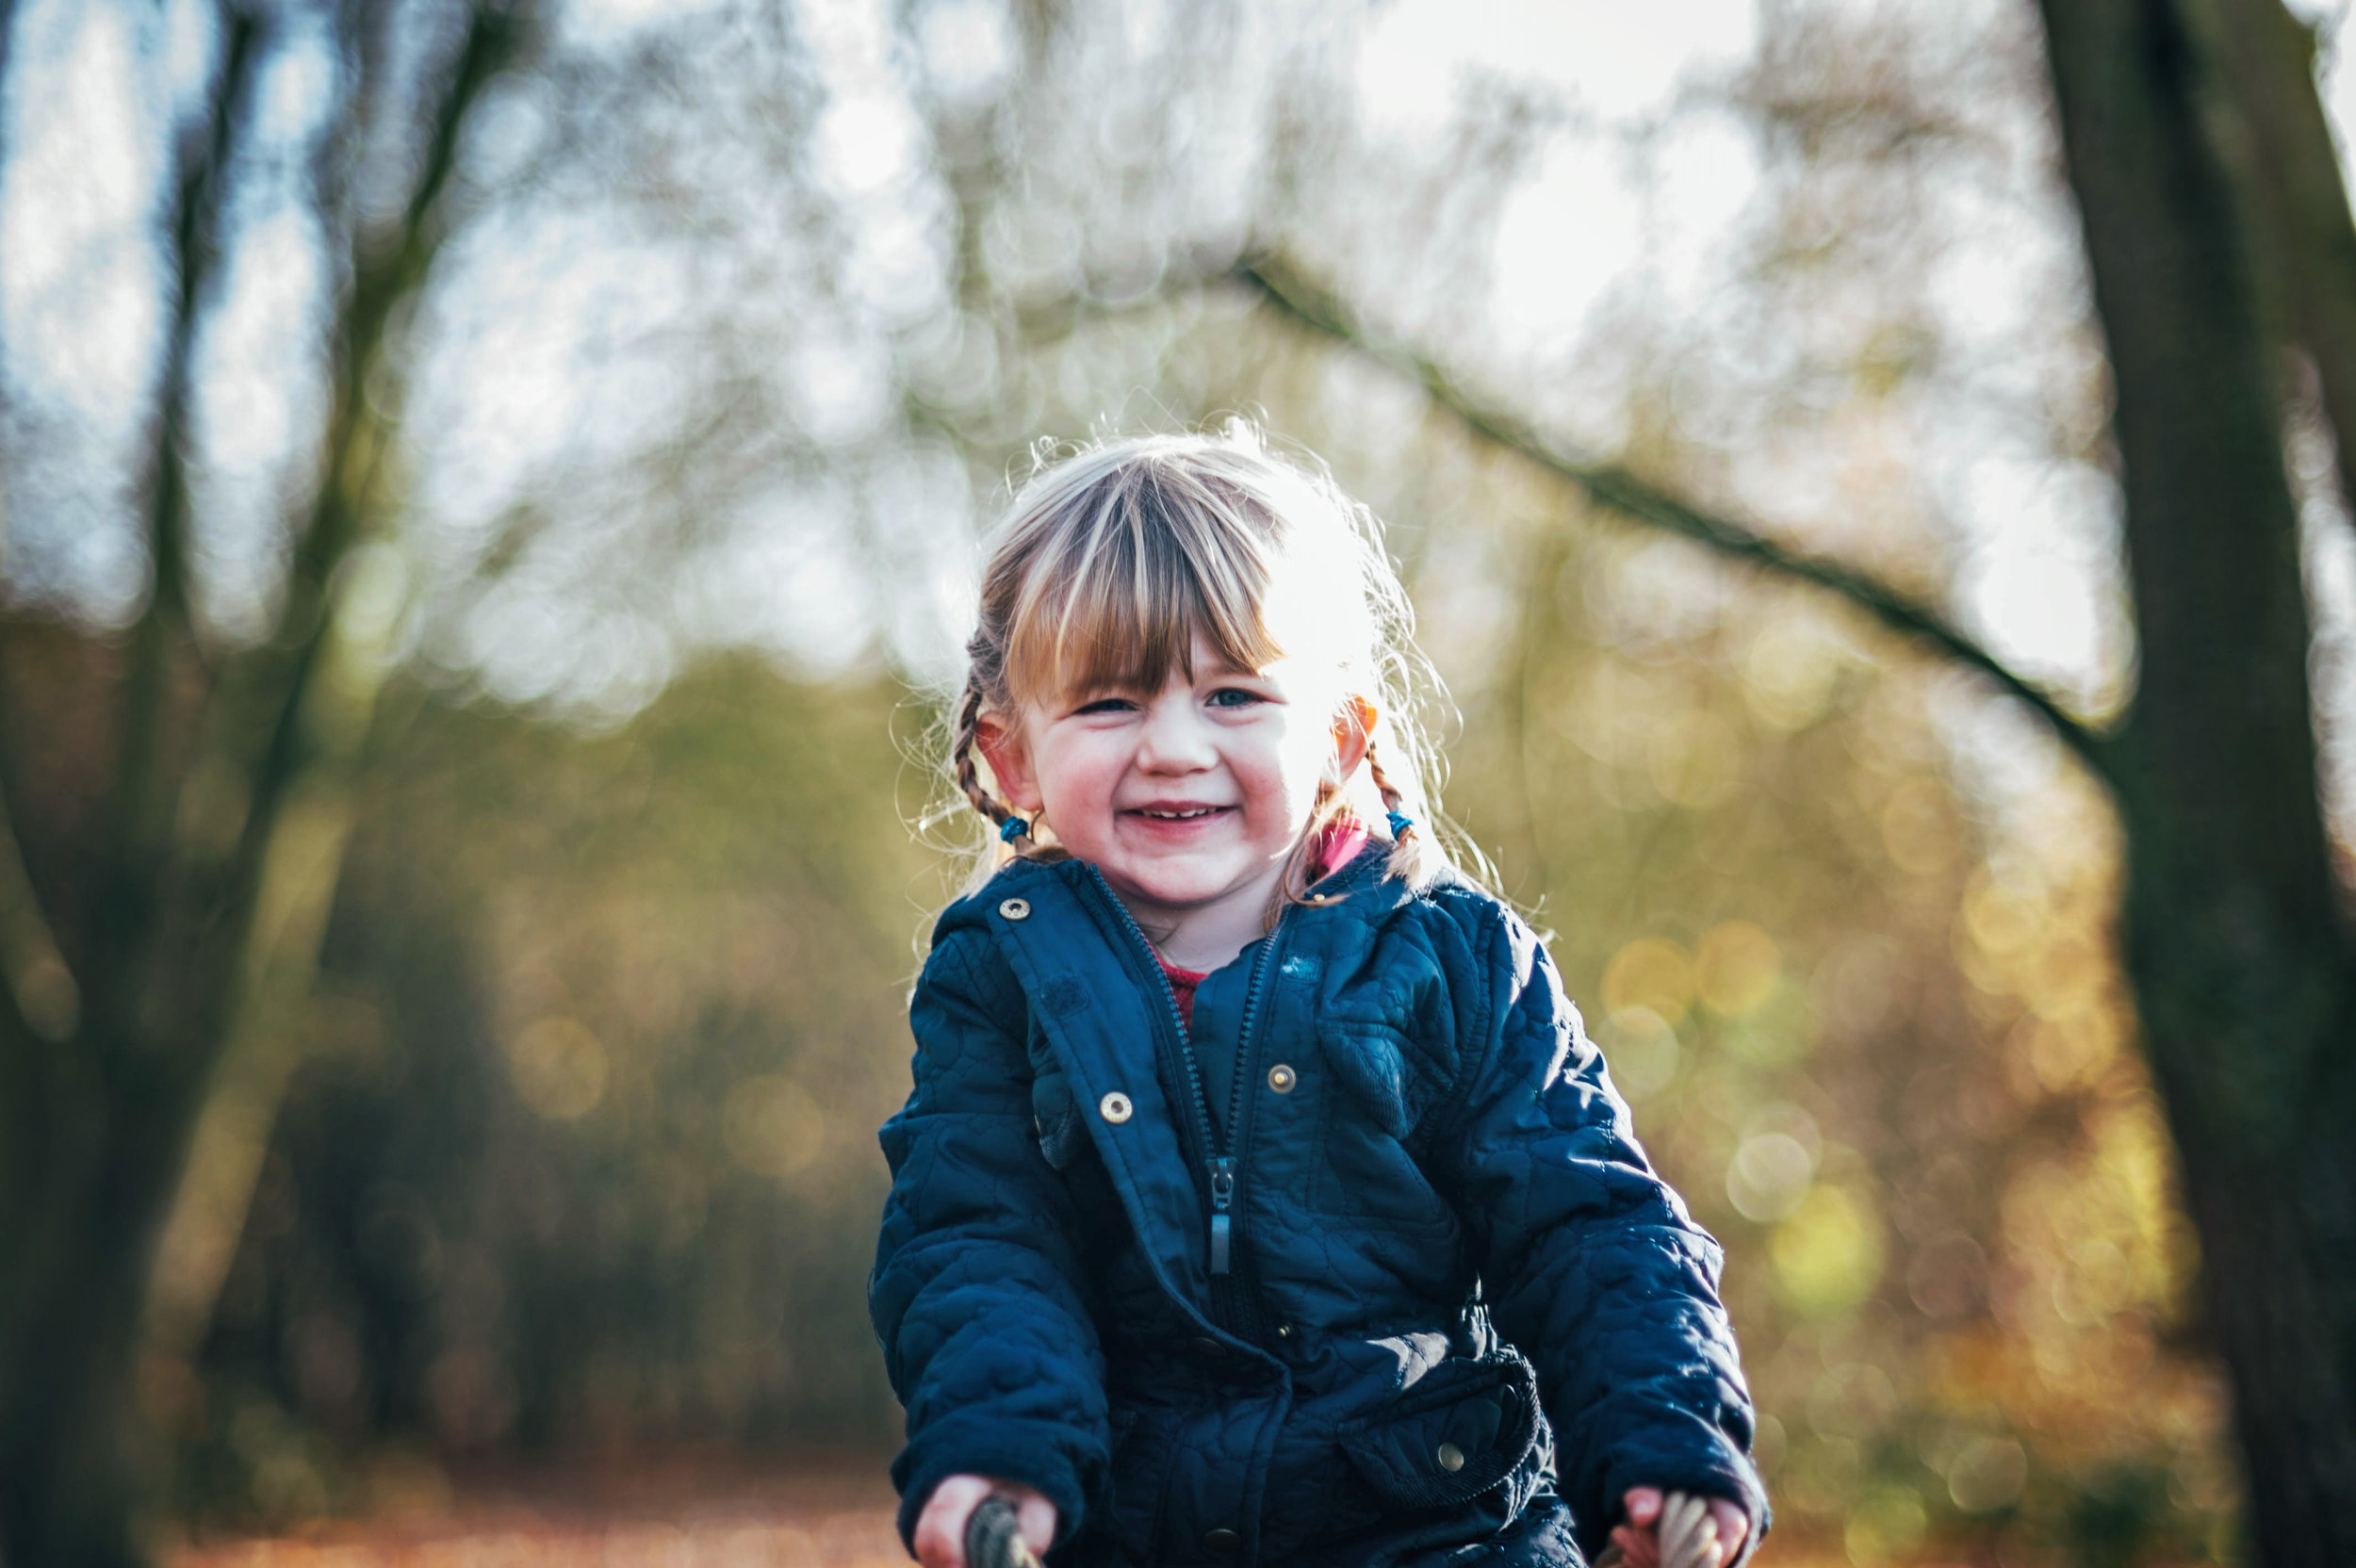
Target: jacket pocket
(1055,1117)
(1465,1428)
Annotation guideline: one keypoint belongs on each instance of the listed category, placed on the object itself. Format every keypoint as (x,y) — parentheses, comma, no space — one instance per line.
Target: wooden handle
(993,1539)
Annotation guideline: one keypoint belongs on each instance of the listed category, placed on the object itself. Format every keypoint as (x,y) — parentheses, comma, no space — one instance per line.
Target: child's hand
(1639,1540)
(940,1528)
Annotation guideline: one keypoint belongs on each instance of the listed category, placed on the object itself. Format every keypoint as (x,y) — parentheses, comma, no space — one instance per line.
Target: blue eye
(1106,705)
(1235,696)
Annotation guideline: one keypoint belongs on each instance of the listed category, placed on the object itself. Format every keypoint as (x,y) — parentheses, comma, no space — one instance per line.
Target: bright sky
(2037,551)
(1595,223)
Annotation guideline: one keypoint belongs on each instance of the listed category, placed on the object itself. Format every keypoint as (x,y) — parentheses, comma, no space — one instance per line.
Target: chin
(1176,894)
(1176,890)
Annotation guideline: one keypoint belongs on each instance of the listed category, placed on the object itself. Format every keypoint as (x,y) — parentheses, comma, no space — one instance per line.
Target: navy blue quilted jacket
(1368,1270)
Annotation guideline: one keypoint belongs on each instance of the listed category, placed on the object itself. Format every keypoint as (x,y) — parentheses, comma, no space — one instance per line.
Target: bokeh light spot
(1695,762)
(1828,1253)
(559,1068)
(1853,1400)
(1918,830)
(771,1125)
(1947,1277)
(1791,673)
(1642,1053)
(2000,920)
(1887,1528)
(1769,1176)
(1737,968)
(1652,972)
(1988,1473)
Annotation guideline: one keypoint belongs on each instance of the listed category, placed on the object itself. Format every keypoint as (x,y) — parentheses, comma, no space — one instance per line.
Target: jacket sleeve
(975,1293)
(1589,1260)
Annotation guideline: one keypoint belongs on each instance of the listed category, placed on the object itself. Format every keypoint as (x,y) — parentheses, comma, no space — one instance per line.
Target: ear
(1353,733)
(1007,751)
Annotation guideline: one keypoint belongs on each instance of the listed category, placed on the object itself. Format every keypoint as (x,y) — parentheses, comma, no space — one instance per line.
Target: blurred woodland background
(489,500)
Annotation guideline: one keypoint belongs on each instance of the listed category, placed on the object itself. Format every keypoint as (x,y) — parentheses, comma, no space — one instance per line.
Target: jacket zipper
(1223,1161)
(1222,1156)
(1240,1104)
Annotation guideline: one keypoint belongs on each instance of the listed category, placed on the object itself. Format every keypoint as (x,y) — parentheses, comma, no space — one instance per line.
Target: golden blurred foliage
(1653,974)
(752,325)
(1737,968)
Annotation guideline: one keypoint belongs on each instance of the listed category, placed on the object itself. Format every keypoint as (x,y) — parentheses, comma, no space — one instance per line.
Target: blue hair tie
(1401,823)
(1011,830)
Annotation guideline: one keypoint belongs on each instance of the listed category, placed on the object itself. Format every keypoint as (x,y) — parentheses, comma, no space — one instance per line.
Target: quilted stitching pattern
(1451,1153)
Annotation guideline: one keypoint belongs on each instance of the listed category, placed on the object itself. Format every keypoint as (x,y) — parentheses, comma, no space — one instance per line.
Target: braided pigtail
(1416,853)
(1011,830)
(1403,824)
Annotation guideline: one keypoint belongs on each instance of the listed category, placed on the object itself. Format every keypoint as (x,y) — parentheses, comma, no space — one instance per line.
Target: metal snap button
(1114,1108)
(1284,1330)
(1281,1078)
(1451,1456)
(1016,909)
(1221,1540)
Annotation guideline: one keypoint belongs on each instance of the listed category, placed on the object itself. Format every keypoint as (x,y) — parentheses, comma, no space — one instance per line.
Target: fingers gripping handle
(993,1539)
(1689,1536)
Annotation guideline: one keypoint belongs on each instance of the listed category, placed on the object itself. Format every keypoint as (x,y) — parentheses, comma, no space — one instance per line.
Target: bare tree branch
(1623,491)
(380,280)
(264,695)
(127,907)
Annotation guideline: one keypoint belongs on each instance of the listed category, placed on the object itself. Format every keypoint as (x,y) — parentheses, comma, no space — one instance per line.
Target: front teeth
(1182,816)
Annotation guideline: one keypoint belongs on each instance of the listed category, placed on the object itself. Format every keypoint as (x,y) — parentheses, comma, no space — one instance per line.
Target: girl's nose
(1175,738)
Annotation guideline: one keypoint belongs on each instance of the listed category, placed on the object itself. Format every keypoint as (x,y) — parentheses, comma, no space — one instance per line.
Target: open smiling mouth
(1191,813)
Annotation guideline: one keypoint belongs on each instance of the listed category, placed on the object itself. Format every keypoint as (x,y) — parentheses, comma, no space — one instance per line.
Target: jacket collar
(1099,996)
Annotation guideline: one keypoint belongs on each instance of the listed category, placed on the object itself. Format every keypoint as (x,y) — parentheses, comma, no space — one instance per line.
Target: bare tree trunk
(2270,120)
(100,1140)
(198,953)
(2235,941)
(76,1475)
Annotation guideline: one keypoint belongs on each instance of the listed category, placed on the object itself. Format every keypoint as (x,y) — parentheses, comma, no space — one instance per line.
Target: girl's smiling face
(1189,798)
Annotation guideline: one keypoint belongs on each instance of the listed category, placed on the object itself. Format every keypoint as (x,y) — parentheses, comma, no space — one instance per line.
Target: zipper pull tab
(1222,1223)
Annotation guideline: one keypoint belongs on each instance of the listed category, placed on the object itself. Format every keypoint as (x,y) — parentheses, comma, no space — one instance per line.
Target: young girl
(1260,1199)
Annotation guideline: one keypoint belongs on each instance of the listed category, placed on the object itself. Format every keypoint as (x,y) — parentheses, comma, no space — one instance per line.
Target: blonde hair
(1112,557)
